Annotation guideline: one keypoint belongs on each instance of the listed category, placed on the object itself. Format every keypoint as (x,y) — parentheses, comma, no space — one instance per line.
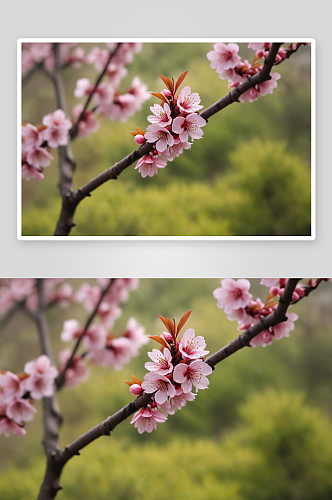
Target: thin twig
(74,130)
(59,382)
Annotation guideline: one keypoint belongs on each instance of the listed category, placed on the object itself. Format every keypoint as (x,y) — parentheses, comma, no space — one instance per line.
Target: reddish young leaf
(180,80)
(168,83)
(160,340)
(169,325)
(139,130)
(160,96)
(182,321)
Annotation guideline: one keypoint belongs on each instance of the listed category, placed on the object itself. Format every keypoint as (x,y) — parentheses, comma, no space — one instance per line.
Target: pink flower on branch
(146,419)
(39,158)
(77,371)
(190,124)
(161,115)
(42,375)
(149,164)
(57,131)
(162,362)
(160,135)
(192,374)
(11,387)
(233,294)
(188,102)
(224,57)
(192,347)
(20,410)
(160,385)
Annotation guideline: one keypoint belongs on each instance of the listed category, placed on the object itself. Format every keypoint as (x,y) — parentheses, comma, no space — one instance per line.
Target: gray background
(240,19)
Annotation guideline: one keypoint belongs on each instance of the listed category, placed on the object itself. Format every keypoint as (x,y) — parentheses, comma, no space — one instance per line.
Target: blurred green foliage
(196,194)
(261,431)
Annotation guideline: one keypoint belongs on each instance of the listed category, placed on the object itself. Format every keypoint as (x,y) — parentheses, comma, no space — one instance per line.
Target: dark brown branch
(62,376)
(67,163)
(273,319)
(51,413)
(74,130)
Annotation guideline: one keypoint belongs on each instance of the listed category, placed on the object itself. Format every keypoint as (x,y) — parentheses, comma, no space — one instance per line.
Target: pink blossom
(189,125)
(160,385)
(176,150)
(255,46)
(28,171)
(108,313)
(192,347)
(162,362)
(83,87)
(146,419)
(88,123)
(178,402)
(56,134)
(149,164)
(8,426)
(11,387)
(122,108)
(71,330)
(77,371)
(20,410)
(117,352)
(31,137)
(89,295)
(282,329)
(115,73)
(224,56)
(39,157)
(139,139)
(104,93)
(161,115)
(250,95)
(41,381)
(187,102)
(160,135)
(264,338)
(136,332)
(233,295)
(192,374)
(139,90)
(95,337)
(268,86)
(269,281)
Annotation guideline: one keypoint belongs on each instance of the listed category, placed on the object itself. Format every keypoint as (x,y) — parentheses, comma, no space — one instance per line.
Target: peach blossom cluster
(171,124)
(234,297)
(175,369)
(17,392)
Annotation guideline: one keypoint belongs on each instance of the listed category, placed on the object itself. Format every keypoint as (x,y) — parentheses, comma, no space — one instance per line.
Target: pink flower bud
(136,389)
(139,139)
(167,336)
(274,291)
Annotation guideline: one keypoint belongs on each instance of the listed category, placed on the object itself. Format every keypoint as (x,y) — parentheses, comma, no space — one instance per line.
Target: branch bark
(51,412)
(71,201)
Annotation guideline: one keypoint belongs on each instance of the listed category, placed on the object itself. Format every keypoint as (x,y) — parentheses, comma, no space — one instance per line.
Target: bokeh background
(261,431)
(250,175)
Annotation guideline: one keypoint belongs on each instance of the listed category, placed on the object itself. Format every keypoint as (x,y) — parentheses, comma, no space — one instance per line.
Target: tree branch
(243,340)
(60,380)
(74,130)
(51,413)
